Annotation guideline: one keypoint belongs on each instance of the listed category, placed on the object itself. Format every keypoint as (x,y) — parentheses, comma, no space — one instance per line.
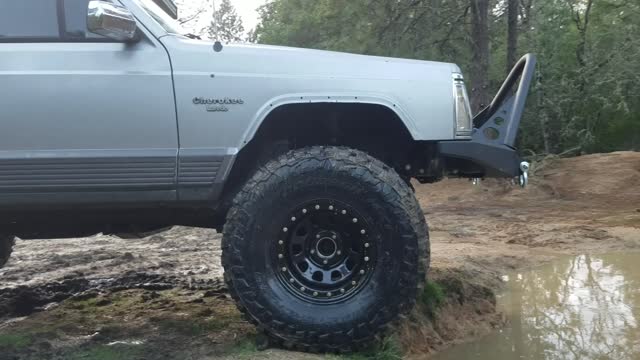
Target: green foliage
(192,327)
(432,297)
(245,348)
(226,25)
(389,349)
(14,341)
(586,92)
(105,352)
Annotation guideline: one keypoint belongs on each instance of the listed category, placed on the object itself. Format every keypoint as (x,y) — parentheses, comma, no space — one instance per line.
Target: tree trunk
(582,24)
(512,32)
(480,96)
(543,116)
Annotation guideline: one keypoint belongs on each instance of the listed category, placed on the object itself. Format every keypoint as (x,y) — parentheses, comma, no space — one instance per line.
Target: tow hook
(524,174)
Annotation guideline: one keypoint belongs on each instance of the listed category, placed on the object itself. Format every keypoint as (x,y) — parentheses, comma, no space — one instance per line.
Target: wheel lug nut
(353,283)
(329,294)
(315,293)
(280,256)
(284,269)
(325,262)
(339,252)
(292,280)
(302,288)
(280,242)
(304,211)
(366,245)
(330,207)
(344,212)
(285,229)
(366,258)
(355,220)
(361,272)
(363,231)
(317,207)
(334,236)
(293,218)
(313,251)
(318,236)
(342,291)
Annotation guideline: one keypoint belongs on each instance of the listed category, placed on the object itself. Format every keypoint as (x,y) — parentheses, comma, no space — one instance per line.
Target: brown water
(587,307)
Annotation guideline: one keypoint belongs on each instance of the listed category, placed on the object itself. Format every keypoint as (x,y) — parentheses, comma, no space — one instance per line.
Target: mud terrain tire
(298,212)
(6,246)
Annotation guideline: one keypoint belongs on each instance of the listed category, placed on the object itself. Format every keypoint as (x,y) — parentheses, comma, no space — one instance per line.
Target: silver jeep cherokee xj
(113,120)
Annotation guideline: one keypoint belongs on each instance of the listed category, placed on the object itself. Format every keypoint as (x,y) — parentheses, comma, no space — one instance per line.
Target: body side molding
(203,172)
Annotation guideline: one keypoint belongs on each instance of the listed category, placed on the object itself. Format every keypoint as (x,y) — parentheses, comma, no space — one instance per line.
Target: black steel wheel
(323,248)
(6,246)
(325,254)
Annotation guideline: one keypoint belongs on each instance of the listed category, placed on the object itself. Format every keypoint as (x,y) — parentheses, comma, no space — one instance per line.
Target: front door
(83,119)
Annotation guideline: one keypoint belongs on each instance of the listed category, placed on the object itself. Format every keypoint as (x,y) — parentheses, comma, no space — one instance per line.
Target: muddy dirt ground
(161,297)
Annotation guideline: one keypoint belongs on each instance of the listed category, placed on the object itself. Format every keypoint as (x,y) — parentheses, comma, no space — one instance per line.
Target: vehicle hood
(308,62)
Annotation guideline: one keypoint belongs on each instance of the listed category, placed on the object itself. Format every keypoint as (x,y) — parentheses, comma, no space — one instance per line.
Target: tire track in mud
(26,300)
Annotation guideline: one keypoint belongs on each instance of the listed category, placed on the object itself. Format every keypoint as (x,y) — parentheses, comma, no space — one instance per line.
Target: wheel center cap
(326,247)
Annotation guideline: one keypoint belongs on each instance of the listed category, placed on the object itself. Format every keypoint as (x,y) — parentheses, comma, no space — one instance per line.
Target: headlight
(462,109)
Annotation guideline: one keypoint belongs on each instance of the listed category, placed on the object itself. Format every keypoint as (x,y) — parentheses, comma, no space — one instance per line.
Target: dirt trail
(160,297)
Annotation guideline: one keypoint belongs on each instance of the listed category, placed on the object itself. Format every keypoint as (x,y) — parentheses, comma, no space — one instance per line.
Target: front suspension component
(524,174)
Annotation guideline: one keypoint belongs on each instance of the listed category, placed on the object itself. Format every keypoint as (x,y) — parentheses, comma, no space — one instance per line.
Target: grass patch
(432,297)
(244,348)
(104,352)
(15,341)
(389,349)
(192,327)
(123,301)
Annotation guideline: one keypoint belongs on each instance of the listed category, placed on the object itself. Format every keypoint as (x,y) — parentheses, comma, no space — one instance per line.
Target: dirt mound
(456,304)
(615,176)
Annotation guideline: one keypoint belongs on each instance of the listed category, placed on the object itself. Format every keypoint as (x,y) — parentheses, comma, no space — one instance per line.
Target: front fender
(330,98)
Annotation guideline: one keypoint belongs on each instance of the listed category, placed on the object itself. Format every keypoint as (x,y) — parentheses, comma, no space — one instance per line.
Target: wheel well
(372,128)
(366,127)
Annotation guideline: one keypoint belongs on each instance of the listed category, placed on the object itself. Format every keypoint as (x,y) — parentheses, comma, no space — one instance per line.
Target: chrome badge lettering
(217,105)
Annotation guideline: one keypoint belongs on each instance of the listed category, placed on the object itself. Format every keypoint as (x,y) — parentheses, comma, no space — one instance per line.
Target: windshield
(170,25)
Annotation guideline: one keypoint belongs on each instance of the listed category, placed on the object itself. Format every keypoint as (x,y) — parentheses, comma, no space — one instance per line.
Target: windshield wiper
(193,36)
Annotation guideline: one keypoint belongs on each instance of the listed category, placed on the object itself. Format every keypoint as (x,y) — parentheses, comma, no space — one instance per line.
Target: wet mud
(162,297)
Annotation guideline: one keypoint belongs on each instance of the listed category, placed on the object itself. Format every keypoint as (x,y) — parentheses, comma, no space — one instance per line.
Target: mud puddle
(584,307)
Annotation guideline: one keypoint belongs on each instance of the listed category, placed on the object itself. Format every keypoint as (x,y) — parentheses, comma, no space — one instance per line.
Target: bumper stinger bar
(491,149)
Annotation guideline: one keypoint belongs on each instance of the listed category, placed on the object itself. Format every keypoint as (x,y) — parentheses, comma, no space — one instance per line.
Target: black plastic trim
(82,199)
(202,173)
(88,170)
(169,6)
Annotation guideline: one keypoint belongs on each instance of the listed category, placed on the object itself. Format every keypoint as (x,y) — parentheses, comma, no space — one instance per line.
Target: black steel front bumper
(491,150)
(474,159)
